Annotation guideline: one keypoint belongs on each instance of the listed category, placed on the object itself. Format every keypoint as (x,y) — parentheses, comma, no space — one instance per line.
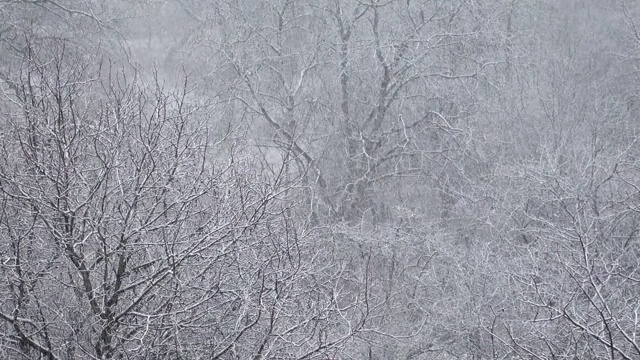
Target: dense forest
(319,179)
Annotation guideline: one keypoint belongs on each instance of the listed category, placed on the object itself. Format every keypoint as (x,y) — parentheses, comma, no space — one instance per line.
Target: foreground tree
(128,227)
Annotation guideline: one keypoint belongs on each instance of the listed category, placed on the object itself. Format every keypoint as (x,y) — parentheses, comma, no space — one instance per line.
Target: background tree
(323,179)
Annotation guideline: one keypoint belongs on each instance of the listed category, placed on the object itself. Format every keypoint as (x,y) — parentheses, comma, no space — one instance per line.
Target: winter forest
(320,179)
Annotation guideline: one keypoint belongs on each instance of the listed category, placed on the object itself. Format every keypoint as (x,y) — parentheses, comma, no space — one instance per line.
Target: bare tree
(131,230)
